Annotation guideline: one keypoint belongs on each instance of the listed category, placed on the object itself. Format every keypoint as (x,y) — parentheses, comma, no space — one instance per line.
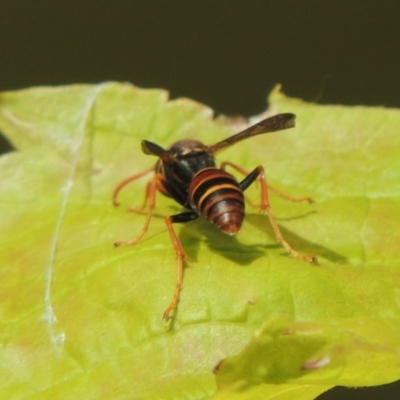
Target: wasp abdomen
(217,195)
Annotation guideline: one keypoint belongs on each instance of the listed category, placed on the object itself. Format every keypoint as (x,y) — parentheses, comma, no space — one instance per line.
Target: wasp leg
(259,173)
(289,197)
(243,171)
(180,255)
(151,191)
(138,210)
(128,180)
(271,188)
(159,187)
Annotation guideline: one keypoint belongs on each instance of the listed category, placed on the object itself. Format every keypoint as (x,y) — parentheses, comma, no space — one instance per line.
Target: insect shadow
(194,233)
(261,222)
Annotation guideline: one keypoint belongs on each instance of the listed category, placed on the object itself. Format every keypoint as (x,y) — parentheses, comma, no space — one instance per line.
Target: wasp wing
(272,124)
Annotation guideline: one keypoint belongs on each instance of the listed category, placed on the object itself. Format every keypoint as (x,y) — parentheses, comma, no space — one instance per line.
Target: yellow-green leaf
(81,319)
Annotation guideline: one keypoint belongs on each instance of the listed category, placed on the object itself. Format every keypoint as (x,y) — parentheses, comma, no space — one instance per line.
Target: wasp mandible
(187,172)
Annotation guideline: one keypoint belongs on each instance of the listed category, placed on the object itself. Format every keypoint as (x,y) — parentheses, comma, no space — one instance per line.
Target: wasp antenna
(278,122)
(156,150)
(152,148)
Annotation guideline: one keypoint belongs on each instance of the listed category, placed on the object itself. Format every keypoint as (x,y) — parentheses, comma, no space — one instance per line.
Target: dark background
(226,53)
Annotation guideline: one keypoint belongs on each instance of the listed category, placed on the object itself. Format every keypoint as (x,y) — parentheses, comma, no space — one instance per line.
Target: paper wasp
(187,172)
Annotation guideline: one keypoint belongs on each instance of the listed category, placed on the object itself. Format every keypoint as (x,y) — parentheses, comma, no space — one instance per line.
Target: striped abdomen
(217,195)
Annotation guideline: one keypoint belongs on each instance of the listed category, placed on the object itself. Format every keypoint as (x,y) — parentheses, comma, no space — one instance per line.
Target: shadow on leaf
(192,234)
(261,222)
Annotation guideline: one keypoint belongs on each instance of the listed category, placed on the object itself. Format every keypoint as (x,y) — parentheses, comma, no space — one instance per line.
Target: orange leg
(159,187)
(259,174)
(151,199)
(271,188)
(180,254)
(288,197)
(127,180)
(145,201)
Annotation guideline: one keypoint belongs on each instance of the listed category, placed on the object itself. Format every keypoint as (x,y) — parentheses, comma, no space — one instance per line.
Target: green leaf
(81,319)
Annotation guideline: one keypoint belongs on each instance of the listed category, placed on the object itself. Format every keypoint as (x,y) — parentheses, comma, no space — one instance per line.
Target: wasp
(187,172)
